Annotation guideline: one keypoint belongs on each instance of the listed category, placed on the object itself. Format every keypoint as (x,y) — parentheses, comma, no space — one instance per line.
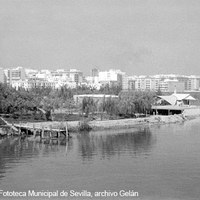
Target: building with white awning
(172,104)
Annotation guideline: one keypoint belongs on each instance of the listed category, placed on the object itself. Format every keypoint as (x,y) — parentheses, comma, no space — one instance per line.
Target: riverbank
(95,125)
(188,114)
(131,123)
(151,120)
(74,126)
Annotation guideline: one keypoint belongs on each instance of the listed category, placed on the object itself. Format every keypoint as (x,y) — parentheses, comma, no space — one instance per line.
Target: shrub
(84,126)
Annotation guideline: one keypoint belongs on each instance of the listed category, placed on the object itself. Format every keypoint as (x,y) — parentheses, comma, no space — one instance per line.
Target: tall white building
(193,83)
(128,82)
(93,81)
(145,83)
(156,83)
(76,76)
(111,77)
(15,74)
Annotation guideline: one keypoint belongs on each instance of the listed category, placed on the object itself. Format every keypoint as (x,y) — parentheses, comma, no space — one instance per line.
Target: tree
(88,106)
(110,89)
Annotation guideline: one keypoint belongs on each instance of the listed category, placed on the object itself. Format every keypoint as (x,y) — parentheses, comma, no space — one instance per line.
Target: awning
(170,99)
(190,98)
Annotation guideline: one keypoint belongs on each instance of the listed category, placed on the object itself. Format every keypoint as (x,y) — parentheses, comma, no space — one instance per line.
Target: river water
(157,162)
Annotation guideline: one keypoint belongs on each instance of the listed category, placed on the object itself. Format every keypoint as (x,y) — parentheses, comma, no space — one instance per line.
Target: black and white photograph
(100,99)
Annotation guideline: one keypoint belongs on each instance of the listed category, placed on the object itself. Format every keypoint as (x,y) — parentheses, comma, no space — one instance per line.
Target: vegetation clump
(128,105)
(30,103)
(84,126)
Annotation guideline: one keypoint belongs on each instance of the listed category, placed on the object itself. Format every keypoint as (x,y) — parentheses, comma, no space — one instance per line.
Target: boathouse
(172,104)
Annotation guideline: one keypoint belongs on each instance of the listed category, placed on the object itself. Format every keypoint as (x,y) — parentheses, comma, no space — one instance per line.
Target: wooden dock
(43,131)
(9,128)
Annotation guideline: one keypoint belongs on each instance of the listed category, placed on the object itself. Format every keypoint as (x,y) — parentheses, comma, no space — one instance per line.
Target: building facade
(111,77)
(15,74)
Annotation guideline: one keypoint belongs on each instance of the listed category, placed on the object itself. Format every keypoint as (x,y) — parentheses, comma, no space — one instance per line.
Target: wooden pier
(9,129)
(42,131)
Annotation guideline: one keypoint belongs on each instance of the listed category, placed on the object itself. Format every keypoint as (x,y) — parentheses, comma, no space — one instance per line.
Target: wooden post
(42,131)
(19,131)
(11,129)
(58,134)
(66,129)
(50,131)
(34,130)
(27,131)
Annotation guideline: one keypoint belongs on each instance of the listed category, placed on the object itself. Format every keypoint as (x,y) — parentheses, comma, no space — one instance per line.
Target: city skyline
(136,36)
(73,78)
(48,70)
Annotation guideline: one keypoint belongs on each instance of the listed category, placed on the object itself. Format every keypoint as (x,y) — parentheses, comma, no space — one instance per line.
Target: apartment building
(156,83)
(146,83)
(111,77)
(95,72)
(19,77)
(76,76)
(128,82)
(15,74)
(193,83)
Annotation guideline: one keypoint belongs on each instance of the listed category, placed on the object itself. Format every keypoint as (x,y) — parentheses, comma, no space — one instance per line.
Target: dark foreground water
(160,162)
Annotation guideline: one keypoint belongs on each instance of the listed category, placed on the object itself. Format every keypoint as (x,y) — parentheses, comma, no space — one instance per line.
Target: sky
(140,37)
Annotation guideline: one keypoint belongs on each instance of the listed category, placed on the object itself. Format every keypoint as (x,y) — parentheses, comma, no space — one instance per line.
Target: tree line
(127,105)
(22,101)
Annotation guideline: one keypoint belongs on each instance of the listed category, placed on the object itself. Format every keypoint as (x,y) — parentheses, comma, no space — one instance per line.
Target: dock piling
(42,131)
(58,134)
(66,129)
(50,132)
(27,130)
(19,130)
(34,130)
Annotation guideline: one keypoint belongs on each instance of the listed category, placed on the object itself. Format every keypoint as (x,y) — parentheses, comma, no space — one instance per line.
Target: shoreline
(133,123)
(97,125)
(73,126)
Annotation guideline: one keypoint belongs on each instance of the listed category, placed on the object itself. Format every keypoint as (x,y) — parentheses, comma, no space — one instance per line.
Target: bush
(84,126)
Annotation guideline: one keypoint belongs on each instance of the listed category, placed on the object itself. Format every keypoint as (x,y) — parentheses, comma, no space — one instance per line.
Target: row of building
(29,78)
(162,82)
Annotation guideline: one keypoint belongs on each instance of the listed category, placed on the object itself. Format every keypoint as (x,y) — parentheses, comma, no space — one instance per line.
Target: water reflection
(14,150)
(105,145)
(109,144)
(111,160)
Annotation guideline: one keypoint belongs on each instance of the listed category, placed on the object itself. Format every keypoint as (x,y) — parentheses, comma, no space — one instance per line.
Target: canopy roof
(190,98)
(183,96)
(172,99)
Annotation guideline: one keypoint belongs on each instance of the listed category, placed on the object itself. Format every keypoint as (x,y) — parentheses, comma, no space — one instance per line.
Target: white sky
(136,36)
